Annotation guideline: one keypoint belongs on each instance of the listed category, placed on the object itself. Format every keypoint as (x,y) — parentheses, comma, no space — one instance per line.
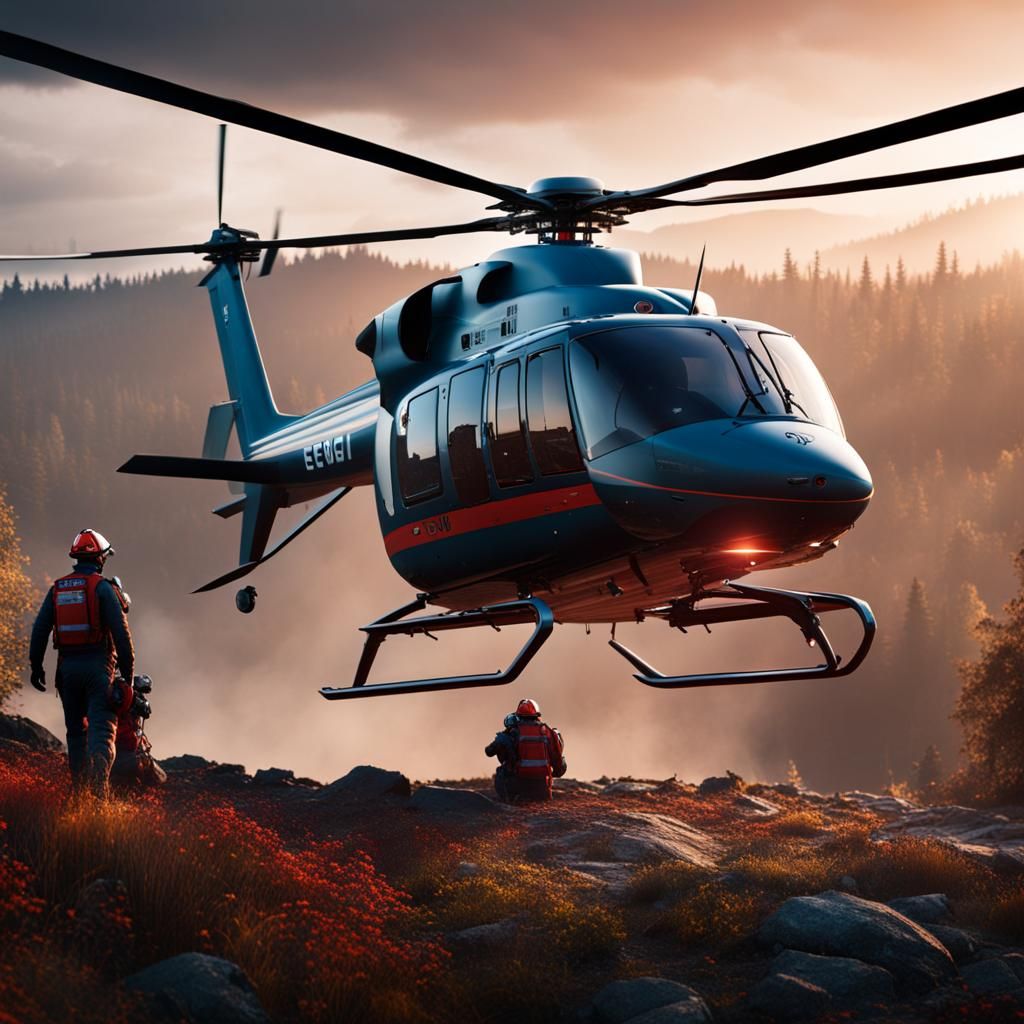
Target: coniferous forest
(926,371)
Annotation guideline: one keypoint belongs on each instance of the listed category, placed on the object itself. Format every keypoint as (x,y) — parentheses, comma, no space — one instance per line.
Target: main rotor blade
(309,242)
(87,69)
(963,115)
(835,188)
(221,144)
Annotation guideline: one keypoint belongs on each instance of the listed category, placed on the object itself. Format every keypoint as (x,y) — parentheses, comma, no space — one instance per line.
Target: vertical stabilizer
(255,412)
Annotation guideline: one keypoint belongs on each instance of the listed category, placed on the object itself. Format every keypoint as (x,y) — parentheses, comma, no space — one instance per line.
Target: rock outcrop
(993,838)
(802,986)
(200,989)
(32,734)
(649,1001)
(843,925)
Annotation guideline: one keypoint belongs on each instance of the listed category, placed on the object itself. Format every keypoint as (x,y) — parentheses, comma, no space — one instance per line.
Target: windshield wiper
(751,397)
(788,398)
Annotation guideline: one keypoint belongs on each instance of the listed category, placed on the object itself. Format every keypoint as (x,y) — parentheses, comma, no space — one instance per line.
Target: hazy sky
(634,93)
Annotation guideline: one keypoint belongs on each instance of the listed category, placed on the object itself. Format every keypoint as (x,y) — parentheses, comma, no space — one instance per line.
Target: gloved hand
(39,679)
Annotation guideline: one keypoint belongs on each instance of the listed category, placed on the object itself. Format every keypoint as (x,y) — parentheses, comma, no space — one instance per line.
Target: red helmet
(90,545)
(528,709)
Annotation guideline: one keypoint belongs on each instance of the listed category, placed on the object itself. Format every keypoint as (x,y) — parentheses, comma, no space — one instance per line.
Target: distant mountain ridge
(980,232)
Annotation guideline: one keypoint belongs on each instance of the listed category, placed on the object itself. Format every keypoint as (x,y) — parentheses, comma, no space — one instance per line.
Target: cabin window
(547,411)
(508,452)
(419,471)
(465,452)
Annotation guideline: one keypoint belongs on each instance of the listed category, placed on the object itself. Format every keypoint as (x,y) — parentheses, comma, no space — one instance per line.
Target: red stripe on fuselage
(493,513)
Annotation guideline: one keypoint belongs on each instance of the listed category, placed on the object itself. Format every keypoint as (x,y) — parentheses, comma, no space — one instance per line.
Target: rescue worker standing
(86,614)
(529,753)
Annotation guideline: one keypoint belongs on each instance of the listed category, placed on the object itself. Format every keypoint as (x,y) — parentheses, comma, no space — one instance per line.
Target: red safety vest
(533,754)
(76,611)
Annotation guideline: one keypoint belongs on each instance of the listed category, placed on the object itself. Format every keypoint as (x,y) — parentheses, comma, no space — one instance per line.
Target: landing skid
(394,623)
(747,602)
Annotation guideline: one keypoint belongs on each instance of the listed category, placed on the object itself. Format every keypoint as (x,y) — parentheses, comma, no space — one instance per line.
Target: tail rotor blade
(271,254)
(221,143)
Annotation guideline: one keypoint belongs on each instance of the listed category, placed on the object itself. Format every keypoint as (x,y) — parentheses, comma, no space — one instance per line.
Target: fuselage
(607,462)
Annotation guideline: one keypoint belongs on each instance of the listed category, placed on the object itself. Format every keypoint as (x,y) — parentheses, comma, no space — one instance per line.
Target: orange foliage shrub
(319,931)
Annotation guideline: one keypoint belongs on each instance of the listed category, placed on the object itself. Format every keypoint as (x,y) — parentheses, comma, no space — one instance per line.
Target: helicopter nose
(785,481)
(770,460)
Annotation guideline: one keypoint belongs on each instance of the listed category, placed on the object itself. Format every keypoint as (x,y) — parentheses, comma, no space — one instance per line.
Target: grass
(358,929)
(712,915)
(1006,916)
(669,878)
(319,931)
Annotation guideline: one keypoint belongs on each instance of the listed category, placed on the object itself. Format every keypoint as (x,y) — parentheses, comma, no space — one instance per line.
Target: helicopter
(550,440)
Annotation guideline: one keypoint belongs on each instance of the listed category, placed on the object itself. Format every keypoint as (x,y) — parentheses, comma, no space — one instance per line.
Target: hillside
(980,233)
(925,371)
(754,240)
(227,897)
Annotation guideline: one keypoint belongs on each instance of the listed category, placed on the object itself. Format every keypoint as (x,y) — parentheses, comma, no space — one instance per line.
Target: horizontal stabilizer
(203,469)
(228,577)
(231,508)
(247,567)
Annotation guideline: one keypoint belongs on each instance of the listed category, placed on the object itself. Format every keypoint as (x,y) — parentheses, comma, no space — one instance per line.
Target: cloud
(455,62)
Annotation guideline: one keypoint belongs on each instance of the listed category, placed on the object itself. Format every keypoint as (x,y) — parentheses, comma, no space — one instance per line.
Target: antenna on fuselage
(696,284)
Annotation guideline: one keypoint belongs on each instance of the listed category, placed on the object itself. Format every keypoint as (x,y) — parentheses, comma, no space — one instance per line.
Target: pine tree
(929,771)
(991,704)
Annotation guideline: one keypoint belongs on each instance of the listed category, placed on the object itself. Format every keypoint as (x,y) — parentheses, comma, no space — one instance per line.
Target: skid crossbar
(510,613)
(748,602)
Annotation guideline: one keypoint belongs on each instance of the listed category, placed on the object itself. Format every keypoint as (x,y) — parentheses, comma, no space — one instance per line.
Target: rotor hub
(568,188)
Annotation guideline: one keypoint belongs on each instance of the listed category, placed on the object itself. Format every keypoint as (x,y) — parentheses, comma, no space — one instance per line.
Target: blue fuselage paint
(626,528)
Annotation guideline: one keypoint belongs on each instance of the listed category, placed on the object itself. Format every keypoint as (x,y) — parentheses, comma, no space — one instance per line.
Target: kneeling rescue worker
(86,614)
(529,753)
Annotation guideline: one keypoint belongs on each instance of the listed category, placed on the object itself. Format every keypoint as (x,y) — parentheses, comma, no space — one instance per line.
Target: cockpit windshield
(631,383)
(789,381)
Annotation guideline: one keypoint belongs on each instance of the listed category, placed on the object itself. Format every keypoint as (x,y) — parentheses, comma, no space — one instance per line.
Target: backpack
(533,751)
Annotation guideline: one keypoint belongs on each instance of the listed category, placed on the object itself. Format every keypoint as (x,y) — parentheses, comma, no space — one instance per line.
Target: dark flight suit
(83,681)
(509,787)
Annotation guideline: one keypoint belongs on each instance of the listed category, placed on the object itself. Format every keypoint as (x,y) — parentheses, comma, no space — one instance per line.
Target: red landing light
(750,551)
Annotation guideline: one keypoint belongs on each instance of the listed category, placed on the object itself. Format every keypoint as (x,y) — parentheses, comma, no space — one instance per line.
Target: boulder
(364,783)
(727,783)
(32,734)
(755,806)
(993,977)
(882,804)
(203,989)
(186,763)
(628,787)
(274,777)
(846,983)
(457,802)
(1016,963)
(961,946)
(484,936)
(637,999)
(633,837)
(843,925)
(930,909)
(575,786)
(782,997)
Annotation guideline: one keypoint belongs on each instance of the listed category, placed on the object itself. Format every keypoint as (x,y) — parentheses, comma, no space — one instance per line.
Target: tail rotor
(270,255)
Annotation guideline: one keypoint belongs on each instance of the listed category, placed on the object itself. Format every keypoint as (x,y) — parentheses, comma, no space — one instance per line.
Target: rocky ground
(624,900)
